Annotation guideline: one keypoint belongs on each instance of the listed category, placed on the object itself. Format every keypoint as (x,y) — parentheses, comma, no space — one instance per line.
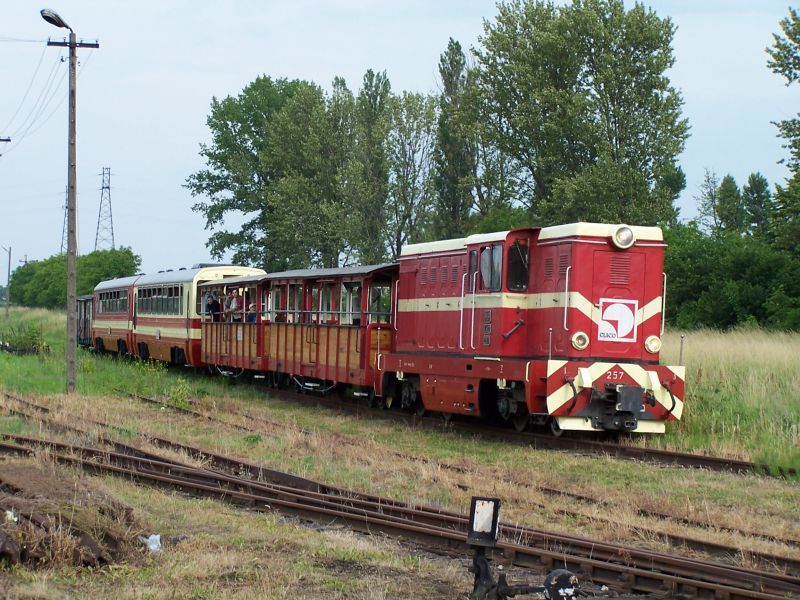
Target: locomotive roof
(557,231)
(599,230)
(357,271)
(454,244)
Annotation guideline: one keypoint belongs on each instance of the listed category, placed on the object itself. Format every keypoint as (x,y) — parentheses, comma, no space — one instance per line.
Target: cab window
(491,267)
(517,265)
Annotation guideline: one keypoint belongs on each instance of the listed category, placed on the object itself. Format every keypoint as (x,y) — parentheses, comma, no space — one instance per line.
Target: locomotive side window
(473,268)
(517,277)
(491,267)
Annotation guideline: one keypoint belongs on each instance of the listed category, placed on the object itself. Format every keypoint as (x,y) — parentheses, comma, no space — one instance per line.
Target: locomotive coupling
(617,407)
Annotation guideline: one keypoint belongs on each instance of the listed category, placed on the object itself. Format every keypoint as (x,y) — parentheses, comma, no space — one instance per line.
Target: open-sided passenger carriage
(315,328)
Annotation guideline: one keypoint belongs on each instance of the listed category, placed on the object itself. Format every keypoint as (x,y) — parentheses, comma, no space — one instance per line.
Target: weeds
(23,338)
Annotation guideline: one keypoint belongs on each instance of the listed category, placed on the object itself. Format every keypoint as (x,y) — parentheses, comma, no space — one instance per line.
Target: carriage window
(517,278)
(266,304)
(278,313)
(326,304)
(350,304)
(294,307)
(380,302)
(491,267)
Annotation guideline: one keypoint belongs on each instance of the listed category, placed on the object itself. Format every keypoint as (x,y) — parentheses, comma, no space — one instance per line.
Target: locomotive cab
(609,325)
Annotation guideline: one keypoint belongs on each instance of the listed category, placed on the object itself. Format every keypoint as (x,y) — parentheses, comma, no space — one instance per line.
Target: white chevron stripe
(639,374)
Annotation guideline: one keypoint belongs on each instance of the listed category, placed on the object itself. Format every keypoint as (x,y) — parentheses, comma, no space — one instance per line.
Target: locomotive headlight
(580,340)
(623,237)
(653,344)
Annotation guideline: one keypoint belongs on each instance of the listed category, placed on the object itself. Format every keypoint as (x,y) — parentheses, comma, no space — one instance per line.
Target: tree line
(738,263)
(43,283)
(561,114)
(564,113)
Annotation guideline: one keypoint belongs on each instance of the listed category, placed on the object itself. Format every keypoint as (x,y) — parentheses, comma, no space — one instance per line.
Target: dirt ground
(56,522)
(52,518)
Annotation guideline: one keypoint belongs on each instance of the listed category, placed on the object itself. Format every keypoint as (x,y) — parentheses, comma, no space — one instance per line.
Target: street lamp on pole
(53,18)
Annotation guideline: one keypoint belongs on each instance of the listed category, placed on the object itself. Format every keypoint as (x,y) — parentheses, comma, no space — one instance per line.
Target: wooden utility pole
(72,242)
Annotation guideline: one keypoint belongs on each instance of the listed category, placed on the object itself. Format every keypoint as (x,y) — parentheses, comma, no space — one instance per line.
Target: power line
(30,85)
(51,77)
(10,39)
(31,130)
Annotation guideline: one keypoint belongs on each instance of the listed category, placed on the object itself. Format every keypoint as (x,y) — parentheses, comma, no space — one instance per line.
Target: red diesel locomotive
(558,325)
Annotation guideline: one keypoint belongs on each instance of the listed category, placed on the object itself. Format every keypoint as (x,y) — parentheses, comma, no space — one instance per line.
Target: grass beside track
(743,395)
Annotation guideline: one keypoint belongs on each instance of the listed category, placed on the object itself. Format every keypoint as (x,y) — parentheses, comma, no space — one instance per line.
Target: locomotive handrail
(472,331)
(566,296)
(461,314)
(663,302)
(396,291)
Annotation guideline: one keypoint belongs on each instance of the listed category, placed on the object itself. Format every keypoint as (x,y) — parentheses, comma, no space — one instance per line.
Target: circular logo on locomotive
(617,320)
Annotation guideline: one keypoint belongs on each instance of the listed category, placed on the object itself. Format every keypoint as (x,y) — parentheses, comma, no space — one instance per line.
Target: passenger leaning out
(236,307)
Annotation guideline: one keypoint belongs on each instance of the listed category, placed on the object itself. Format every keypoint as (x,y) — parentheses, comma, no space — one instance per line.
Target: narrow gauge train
(557,326)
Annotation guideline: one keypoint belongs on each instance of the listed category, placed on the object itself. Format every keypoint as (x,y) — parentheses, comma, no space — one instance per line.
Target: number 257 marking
(615,375)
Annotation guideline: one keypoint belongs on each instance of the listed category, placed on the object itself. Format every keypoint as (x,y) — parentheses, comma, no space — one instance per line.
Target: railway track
(546,441)
(236,466)
(618,567)
(603,564)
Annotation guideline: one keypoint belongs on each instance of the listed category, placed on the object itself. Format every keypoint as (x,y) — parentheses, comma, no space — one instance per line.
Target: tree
(728,280)
(732,214)
(785,222)
(275,158)
(758,204)
(410,147)
(785,61)
(578,96)
(455,146)
(369,172)
(708,204)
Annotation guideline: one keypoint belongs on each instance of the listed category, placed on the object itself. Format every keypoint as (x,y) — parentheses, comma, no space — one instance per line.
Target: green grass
(741,391)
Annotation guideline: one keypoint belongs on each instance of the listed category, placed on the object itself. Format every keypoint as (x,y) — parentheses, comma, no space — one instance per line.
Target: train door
(485,281)
(311,326)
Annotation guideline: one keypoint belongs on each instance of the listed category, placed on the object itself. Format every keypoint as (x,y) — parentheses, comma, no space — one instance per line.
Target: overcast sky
(144,96)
